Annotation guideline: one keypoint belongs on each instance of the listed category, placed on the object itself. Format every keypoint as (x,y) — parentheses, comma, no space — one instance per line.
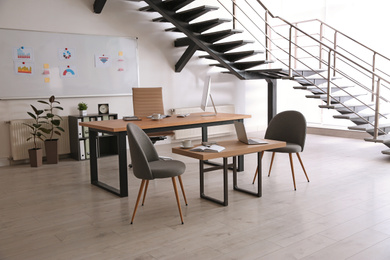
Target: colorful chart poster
(68,72)
(102,61)
(24,68)
(24,53)
(67,54)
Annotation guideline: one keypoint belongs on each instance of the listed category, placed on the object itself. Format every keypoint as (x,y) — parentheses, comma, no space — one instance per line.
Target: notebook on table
(242,137)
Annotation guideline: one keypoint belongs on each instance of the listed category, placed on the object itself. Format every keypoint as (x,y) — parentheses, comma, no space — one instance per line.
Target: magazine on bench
(210,148)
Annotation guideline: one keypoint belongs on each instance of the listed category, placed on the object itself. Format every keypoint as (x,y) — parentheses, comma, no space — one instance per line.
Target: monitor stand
(215,110)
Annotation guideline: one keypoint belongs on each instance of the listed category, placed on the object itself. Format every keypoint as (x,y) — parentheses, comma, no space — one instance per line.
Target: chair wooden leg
(177,198)
(146,189)
(257,169)
(182,189)
(292,170)
(270,166)
(138,199)
(299,158)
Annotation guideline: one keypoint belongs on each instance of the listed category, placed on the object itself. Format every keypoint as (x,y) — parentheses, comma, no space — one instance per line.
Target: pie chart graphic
(68,71)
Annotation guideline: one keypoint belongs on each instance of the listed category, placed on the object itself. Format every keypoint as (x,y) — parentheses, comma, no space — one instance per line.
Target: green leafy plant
(36,126)
(52,119)
(82,106)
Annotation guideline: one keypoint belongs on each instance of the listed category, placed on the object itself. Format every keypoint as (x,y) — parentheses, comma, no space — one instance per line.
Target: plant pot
(51,148)
(83,112)
(35,156)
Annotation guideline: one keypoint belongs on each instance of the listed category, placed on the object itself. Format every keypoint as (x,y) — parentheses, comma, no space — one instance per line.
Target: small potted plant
(35,154)
(53,127)
(82,107)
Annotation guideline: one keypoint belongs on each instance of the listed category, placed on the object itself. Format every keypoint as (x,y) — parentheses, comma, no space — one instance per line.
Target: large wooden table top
(119,125)
(232,148)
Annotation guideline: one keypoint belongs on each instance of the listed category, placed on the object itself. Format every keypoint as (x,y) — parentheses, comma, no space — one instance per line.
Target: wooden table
(233,148)
(118,128)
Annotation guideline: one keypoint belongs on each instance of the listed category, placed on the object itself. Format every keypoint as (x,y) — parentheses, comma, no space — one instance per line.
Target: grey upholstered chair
(148,166)
(288,126)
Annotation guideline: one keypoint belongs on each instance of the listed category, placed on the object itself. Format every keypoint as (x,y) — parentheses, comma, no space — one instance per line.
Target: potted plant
(35,154)
(53,122)
(82,107)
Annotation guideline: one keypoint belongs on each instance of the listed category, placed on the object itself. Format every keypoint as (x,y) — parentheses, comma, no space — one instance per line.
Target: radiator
(211,131)
(20,132)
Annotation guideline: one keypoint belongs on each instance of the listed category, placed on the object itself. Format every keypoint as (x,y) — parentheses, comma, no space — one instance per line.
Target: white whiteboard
(66,65)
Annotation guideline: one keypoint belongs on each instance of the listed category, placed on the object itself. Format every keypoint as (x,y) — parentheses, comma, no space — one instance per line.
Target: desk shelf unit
(79,142)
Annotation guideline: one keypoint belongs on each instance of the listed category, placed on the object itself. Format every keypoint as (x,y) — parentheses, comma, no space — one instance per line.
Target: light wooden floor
(52,212)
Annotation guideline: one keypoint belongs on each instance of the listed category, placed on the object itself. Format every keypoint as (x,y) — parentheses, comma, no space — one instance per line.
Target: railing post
(289,52)
(373,77)
(266,36)
(329,78)
(234,14)
(321,37)
(376,123)
(295,47)
(334,55)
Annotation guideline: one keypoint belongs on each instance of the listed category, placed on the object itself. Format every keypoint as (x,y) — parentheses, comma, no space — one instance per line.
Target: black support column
(272,83)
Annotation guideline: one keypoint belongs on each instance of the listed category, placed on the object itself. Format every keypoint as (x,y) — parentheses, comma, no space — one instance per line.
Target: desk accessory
(131,118)
(103,108)
(183,115)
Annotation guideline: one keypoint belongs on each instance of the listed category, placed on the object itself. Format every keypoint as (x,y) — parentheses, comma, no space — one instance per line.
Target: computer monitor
(206,95)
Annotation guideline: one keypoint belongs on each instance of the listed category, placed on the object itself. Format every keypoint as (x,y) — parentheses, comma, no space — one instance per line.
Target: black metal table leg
(259,180)
(202,170)
(122,153)
(93,157)
(121,143)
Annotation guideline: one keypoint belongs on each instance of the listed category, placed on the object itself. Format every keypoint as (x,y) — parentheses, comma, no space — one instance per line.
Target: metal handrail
(332,50)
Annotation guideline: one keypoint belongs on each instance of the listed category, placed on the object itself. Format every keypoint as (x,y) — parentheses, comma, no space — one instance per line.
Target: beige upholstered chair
(288,126)
(147,101)
(148,166)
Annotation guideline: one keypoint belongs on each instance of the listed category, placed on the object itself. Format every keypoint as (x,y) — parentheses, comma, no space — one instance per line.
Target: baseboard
(4,162)
(337,132)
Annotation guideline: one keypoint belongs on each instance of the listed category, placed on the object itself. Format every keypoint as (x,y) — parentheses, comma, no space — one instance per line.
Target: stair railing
(333,52)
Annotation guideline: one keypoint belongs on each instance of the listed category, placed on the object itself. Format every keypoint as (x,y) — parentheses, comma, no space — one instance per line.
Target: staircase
(322,61)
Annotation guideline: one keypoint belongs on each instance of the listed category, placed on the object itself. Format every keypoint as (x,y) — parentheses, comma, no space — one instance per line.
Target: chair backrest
(142,152)
(147,101)
(288,126)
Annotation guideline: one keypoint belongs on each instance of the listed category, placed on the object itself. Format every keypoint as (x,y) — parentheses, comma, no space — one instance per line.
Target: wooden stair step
(304,72)
(335,98)
(369,128)
(227,46)
(191,14)
(276,73)
(386,151)
(244,65)
(175,5)
(202,26)
(319,90)
(313,81)
(188,15)
(342,109)
(249,64)
(146,9)
(358,119)
(379,139)
(234,56)
(207,37)
(219,35)
(356,116)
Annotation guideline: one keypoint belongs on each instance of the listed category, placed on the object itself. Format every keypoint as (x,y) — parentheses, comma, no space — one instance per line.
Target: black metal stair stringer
(184,28)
